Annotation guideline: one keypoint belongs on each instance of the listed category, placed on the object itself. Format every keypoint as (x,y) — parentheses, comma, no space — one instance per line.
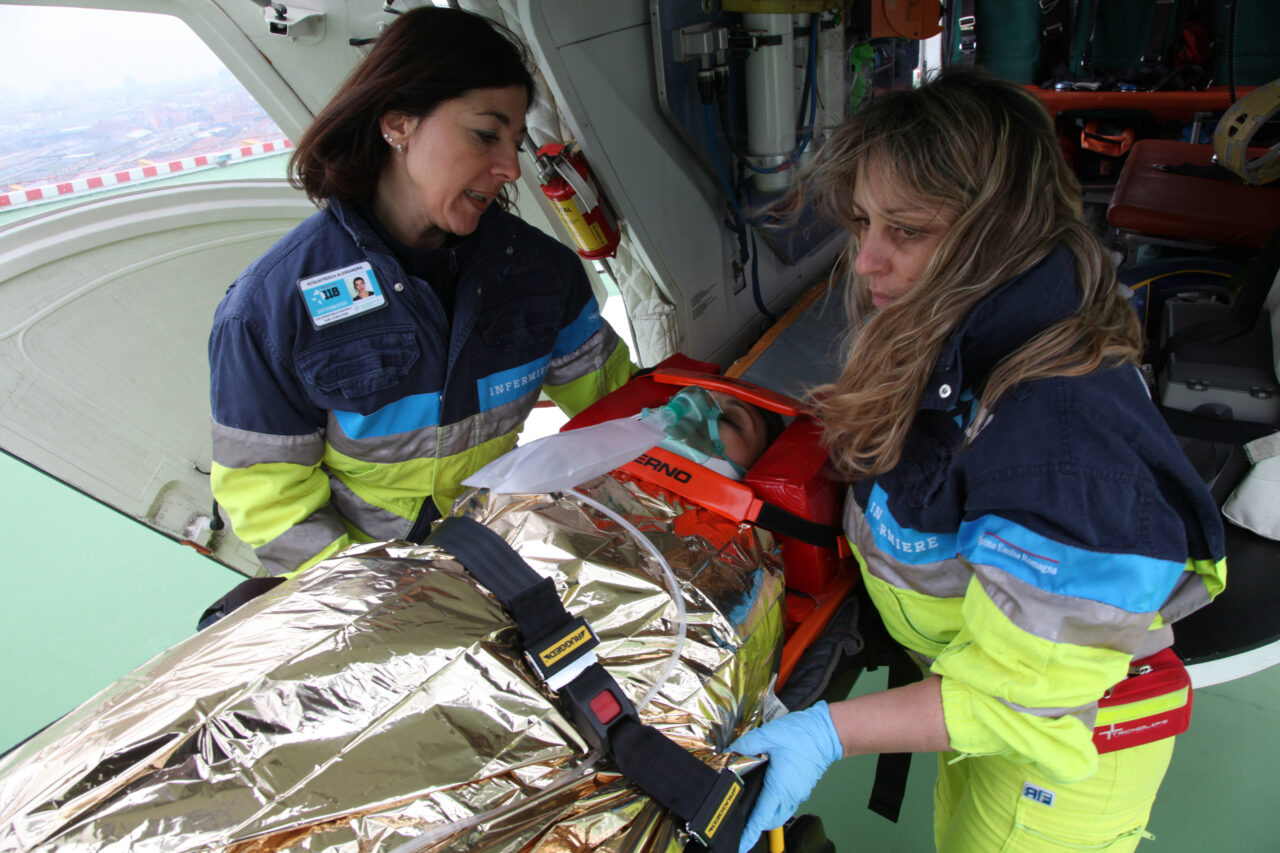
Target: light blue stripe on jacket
(1132,582)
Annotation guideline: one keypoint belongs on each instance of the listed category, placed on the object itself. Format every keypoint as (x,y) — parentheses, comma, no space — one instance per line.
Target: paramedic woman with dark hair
(1025,524)
(357,421)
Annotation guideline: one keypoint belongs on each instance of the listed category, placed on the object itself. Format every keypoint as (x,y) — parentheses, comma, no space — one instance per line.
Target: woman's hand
(801,746)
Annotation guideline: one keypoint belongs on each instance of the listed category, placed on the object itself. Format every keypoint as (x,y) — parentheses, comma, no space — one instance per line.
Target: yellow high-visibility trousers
(987,804)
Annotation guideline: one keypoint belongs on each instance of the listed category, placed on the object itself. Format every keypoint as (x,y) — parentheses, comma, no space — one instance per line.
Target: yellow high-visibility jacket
(337,421)
(1030,566)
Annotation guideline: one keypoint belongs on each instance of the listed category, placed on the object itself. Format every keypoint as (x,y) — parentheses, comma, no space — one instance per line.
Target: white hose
(672,584)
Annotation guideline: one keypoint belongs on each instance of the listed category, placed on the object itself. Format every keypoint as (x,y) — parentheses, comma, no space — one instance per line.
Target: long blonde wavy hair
(985,152)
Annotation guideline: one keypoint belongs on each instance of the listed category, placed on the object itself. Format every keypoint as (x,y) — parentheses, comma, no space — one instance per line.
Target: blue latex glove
(801,746)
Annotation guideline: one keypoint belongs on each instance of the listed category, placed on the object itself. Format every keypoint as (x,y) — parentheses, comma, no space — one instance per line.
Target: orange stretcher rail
(1164,106)
(815,623)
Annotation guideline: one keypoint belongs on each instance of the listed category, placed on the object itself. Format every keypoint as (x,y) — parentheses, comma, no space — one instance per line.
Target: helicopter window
(100,101)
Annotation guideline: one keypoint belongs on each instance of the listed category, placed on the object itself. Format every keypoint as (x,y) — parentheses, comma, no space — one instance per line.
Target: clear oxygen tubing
(434,836)
(673,586)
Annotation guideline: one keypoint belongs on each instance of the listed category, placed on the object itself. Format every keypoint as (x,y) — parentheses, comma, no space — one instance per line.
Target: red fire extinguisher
(562,172)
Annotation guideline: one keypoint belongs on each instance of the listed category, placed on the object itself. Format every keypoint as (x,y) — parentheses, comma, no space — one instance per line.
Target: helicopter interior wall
(600,70)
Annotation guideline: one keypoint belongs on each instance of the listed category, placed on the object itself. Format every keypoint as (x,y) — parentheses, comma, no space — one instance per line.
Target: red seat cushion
(1186,207)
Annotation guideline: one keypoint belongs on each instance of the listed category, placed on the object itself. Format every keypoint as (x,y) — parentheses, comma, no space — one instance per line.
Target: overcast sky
(44,46)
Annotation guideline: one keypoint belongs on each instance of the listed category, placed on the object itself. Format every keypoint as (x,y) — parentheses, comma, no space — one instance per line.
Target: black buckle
(553,655)
(968,34)
(597,705)
(716,808)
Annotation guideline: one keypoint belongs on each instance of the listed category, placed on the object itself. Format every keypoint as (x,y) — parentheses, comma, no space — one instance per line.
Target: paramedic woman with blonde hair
(1024,522)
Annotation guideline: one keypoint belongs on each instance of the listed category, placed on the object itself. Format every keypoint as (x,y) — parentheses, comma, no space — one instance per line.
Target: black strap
(890,784)
(779,520)
(669,774)
(1056,20)
(967,24)
(1086,61)
(242,594)
(1211,172)
(1153,54)
(709,802)
(1218,430)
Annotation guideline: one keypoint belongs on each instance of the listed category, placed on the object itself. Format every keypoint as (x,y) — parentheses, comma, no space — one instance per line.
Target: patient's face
(742,429)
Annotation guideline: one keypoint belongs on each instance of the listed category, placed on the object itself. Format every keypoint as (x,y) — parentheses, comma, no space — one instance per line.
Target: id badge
(338,295)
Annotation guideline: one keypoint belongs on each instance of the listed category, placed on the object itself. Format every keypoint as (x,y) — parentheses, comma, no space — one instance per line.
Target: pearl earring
(399,147)
(387,137)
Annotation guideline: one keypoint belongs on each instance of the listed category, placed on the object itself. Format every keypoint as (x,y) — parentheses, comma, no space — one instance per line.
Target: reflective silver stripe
(459,437)
(1086,714)
(1161,638)
(1042,614)
(1033,610)
(509,417)
(416,444)
(925,662)
(240,448)
(1189,595)
(941,579)
(592,355)
(302,541)
(377,522)
(435,442)
(486,426)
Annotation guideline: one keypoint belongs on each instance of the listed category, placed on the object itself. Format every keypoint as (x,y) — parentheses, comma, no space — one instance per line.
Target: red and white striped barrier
(51,192)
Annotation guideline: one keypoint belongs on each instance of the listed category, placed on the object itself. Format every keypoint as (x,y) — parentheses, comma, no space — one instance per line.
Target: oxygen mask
(691,420)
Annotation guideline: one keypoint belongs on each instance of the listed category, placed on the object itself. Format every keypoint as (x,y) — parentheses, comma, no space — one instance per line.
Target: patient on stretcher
(381,699)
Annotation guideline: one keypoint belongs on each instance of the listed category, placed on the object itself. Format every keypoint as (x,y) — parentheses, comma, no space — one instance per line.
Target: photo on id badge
(341,294)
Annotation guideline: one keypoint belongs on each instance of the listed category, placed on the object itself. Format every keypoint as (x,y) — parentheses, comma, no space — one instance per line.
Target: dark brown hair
(426,56)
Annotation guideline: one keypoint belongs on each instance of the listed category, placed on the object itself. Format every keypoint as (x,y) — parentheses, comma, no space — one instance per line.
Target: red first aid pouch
(1153,703)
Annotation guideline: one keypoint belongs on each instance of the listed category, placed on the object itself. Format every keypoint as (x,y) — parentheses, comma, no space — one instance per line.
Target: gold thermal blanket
(380,700)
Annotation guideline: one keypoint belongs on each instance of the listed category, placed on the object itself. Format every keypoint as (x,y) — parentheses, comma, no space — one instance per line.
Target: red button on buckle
(605,706)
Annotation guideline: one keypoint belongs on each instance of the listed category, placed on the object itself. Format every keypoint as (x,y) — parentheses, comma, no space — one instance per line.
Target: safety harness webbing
(890,785)
(967,22)
(778,520)
(560,648)
(1056,28)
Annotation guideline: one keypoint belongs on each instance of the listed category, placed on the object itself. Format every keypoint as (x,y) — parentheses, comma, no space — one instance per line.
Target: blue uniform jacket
(364,426)
(1029,566)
